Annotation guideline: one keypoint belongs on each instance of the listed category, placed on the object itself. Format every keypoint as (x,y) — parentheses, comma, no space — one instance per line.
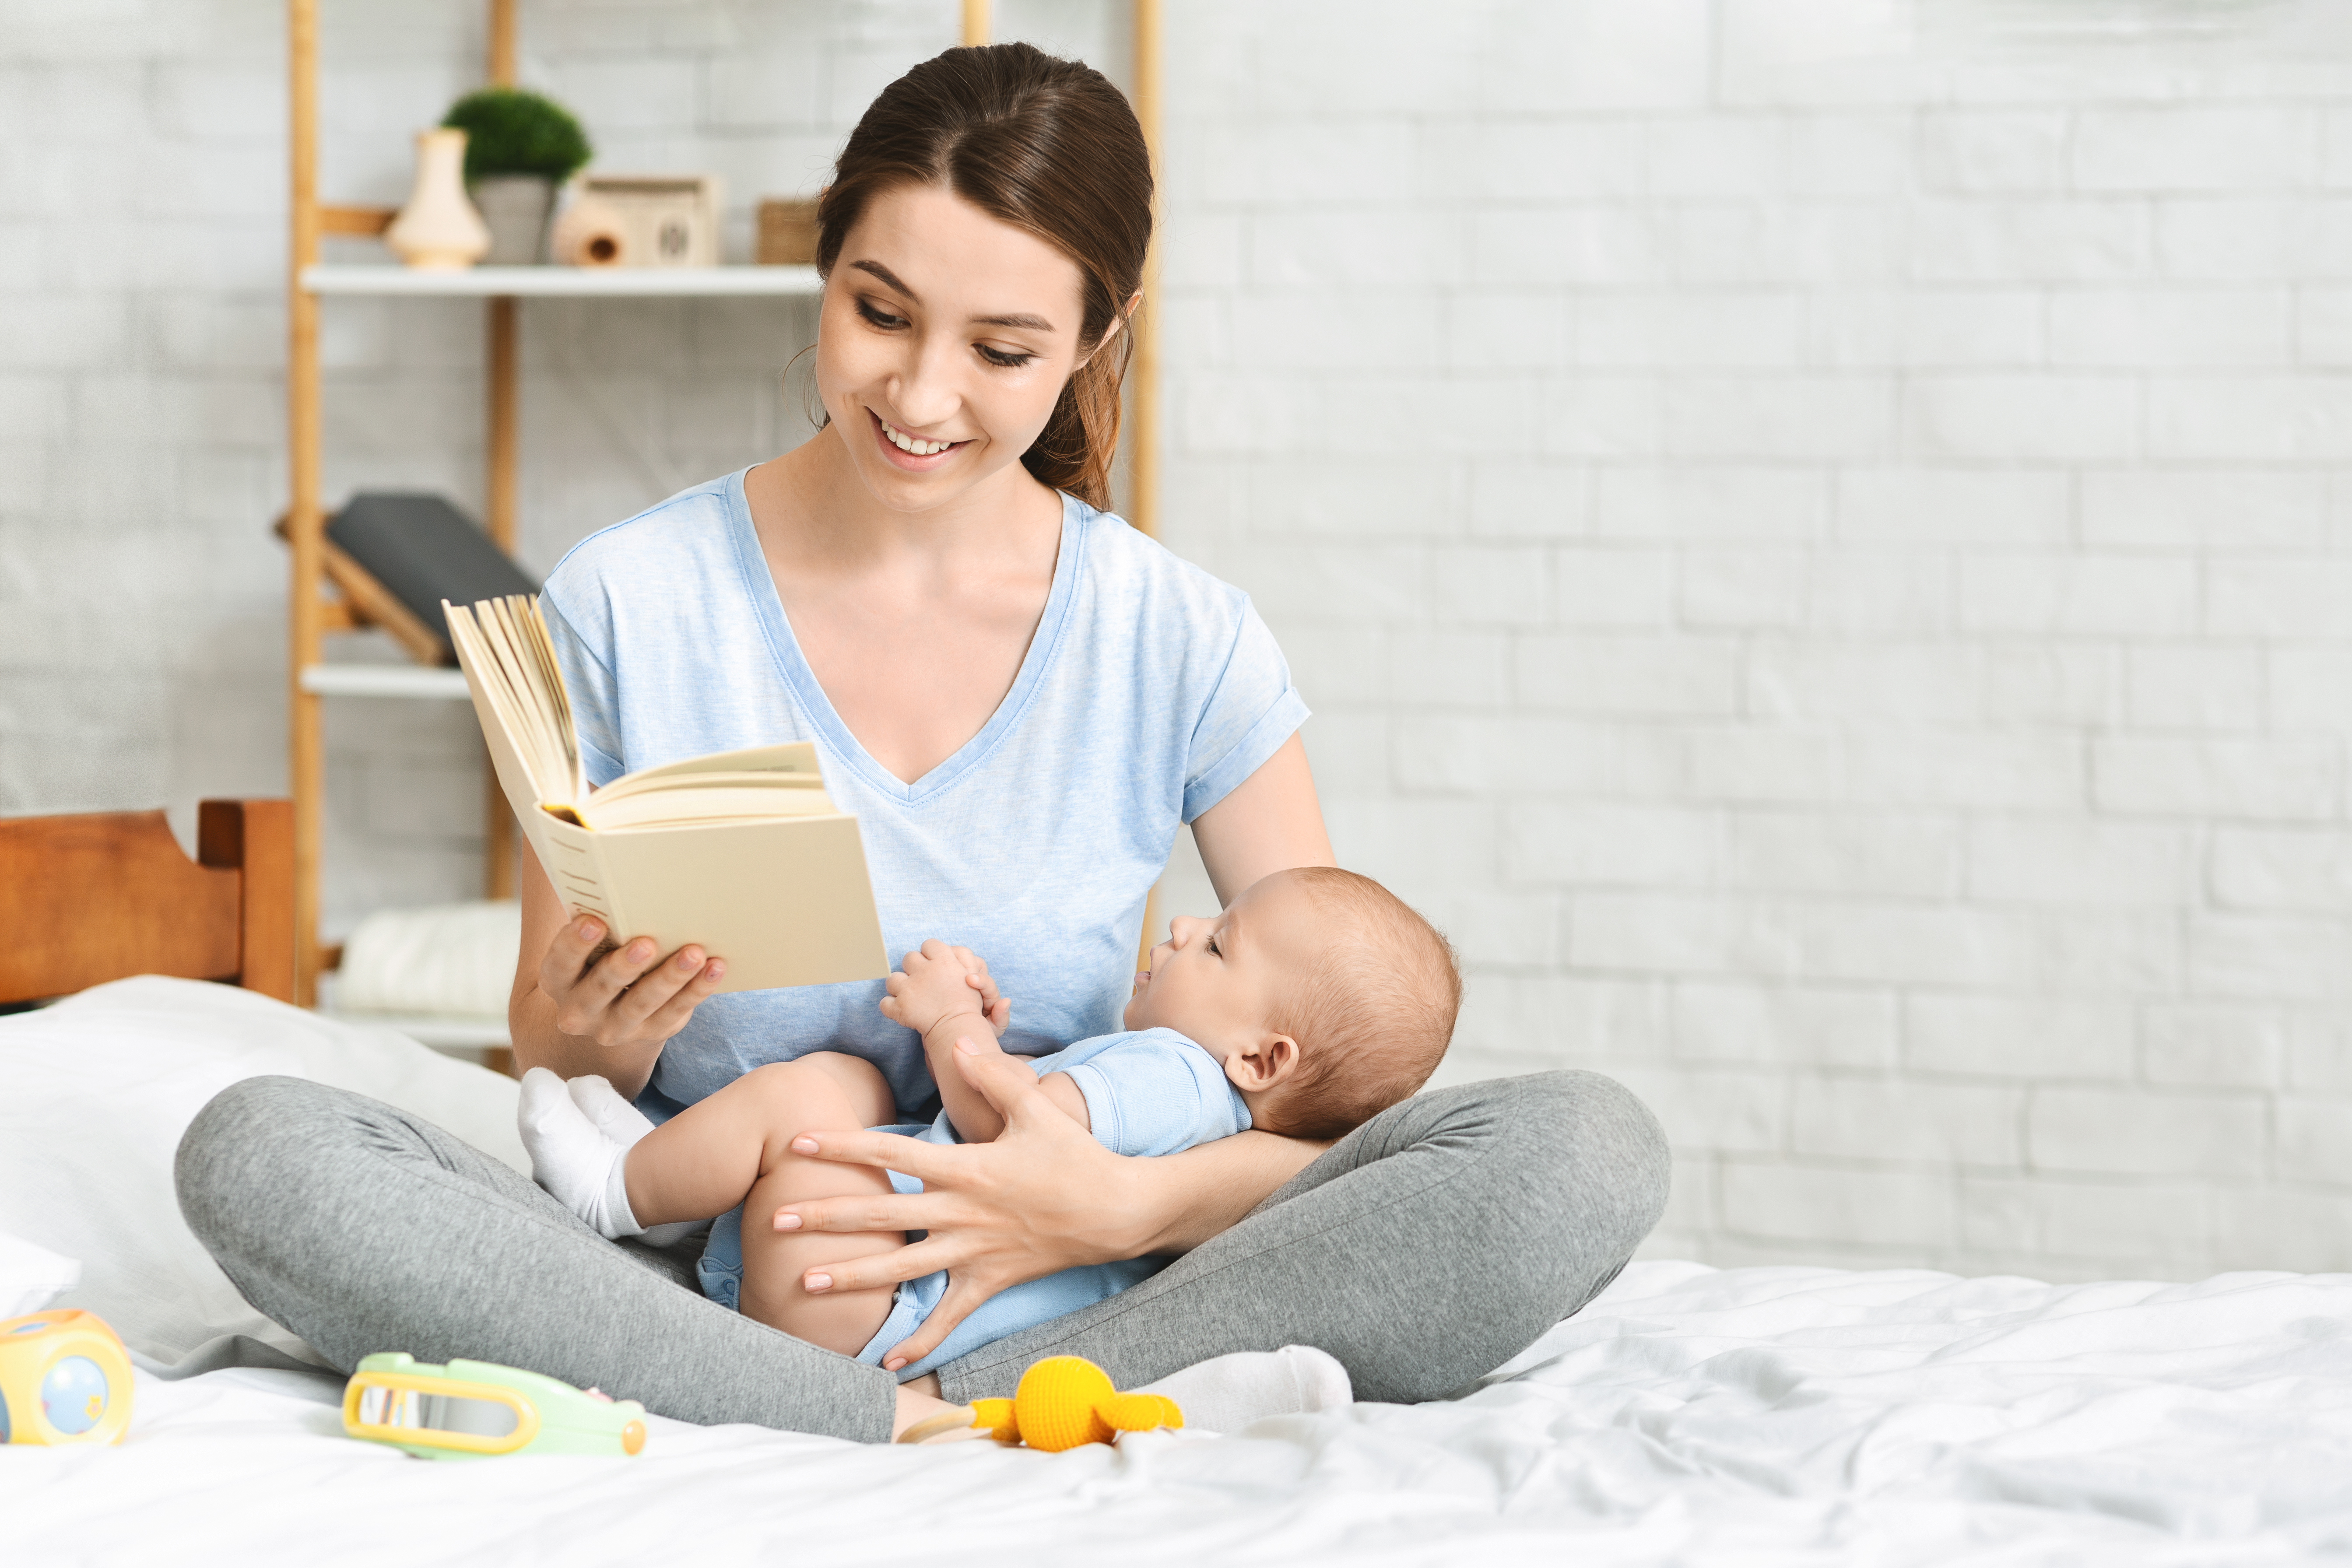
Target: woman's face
(945,338)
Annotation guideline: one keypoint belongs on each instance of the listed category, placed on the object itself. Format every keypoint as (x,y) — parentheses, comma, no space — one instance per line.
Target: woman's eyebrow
(888,276)
(1031,323)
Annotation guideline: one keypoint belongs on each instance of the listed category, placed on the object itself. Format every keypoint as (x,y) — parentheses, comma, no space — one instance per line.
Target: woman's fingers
(702,978)
(626,995)
(887,1150)
(583,1008)
(881,1269)
(962,1296)
(569,954)
(1005,1083)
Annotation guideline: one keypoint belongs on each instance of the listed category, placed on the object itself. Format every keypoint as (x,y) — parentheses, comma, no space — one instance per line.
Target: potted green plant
(519,147)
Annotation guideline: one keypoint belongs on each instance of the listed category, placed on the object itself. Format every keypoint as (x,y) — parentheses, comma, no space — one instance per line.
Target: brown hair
(1045,144)
(1374,1017)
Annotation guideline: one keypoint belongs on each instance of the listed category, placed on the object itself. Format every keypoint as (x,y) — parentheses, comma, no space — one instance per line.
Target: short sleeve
(590,686)
(1157,1092)
(1251,711)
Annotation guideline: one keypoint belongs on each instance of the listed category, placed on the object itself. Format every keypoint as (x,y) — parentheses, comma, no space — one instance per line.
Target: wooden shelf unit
(324,600)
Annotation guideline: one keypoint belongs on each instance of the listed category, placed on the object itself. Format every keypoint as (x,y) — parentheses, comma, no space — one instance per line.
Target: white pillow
(32,1277)
(451,959)
(100,1088)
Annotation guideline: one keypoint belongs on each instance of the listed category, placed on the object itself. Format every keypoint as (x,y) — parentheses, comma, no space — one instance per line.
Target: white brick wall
(1862,574)
(1817,535)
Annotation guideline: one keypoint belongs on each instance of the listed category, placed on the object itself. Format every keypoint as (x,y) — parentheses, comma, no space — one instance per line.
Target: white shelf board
(564,282)
(385,681)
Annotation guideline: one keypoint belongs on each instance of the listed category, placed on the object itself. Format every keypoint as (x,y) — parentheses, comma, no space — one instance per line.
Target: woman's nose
(926,395)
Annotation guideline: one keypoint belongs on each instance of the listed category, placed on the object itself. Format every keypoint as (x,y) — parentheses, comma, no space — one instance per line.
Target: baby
(1317,1000)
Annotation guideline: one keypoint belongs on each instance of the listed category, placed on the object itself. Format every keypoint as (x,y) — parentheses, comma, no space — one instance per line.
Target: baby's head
(1328,999)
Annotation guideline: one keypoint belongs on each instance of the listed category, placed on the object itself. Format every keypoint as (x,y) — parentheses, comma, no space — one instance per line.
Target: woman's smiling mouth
(909,451)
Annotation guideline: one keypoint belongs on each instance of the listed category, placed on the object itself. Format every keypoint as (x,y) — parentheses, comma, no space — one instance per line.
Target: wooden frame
(97,897)
(315,566)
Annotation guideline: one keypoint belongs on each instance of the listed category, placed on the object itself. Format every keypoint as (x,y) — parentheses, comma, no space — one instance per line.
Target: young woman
(1020,698)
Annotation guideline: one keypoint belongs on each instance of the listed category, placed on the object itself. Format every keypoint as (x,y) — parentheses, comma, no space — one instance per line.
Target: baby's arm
(945,994)
(976,1121)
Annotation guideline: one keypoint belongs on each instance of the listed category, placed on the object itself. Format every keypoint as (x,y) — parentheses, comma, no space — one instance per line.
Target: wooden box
(666,220)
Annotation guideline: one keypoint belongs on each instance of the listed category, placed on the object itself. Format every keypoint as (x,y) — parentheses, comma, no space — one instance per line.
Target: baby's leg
(707,1158)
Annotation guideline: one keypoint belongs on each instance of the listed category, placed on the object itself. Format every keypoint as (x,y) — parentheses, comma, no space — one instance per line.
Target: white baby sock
(624,1124)
(1228,1392)
(614,1117)
(572,1157)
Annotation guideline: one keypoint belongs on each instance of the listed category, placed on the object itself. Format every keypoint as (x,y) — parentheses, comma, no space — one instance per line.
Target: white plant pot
(439,230)
(516,208)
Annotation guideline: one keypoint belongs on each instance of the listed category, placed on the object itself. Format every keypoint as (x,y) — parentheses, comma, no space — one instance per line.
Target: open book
(740,851)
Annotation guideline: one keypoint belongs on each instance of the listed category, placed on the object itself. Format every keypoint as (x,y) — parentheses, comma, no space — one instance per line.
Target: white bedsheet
(1747,1416)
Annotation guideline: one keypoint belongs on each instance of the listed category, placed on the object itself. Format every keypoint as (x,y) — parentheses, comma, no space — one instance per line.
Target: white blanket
(1689,1416)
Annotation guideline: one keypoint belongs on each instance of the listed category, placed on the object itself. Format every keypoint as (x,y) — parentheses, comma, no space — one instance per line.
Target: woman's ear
(1262,1064)
(1134,302)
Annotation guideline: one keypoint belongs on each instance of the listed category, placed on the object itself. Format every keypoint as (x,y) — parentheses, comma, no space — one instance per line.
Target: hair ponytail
(1045,144)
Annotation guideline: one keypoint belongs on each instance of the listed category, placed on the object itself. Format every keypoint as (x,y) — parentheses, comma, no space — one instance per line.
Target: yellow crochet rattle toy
(64,1378)
(1062,1401)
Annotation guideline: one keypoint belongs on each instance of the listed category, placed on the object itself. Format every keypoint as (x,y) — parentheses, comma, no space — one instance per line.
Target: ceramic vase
(516,208)
(439,230)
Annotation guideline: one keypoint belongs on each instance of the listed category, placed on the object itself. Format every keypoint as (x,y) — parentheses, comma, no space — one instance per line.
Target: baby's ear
(1262,1064)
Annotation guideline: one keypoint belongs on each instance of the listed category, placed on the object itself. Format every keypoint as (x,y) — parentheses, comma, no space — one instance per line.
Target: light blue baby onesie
(1152,1092)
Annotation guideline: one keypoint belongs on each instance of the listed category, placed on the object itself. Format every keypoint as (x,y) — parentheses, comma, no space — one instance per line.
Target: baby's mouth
(1143,979)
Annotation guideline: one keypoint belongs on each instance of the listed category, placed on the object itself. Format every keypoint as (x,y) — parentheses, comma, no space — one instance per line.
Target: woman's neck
(914,624)
(814,512)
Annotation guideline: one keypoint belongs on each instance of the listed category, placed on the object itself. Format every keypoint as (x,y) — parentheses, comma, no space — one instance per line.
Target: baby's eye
(881,318)
(1214,948)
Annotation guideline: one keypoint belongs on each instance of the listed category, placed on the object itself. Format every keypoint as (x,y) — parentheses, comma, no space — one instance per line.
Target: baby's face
(1216,981)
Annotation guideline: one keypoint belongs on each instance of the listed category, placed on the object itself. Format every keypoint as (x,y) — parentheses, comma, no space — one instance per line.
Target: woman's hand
(623,997)
(1043,1197)
(581,1005)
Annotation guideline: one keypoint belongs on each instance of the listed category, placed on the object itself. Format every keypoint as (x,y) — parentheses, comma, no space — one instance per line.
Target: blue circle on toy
(33,1327)
(4,1418)
(73,1396)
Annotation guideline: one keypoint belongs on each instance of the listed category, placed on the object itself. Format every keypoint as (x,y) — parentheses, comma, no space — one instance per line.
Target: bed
(1689,1415)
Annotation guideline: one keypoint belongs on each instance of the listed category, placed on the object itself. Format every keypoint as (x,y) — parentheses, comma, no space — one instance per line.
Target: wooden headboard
(93,897)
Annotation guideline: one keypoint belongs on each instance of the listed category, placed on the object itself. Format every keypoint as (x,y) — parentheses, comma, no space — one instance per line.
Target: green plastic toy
(475,1409)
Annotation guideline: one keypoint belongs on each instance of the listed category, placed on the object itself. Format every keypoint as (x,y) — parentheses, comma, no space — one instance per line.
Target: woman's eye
(881,318)
(1002,359)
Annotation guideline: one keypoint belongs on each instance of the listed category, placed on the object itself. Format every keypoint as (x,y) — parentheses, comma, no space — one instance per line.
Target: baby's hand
(938,982)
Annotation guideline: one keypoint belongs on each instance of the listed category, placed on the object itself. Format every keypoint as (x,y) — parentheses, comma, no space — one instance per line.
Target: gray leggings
(1426,1249)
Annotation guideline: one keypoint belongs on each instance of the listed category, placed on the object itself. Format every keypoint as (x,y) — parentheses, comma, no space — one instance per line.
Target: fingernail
(717,971)
(788,1222)
(640,951)
(894,1364)
(815,1282)
(590,931)
(803,1145)
(686,960)
(964,1044)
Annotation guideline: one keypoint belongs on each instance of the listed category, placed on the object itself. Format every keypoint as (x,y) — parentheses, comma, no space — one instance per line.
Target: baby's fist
(936,981)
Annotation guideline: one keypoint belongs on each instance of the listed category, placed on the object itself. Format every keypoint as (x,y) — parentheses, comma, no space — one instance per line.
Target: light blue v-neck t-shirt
(1149,691)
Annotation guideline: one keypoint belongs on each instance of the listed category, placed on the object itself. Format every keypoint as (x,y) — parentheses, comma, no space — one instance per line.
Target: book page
(719,802)
(503,646)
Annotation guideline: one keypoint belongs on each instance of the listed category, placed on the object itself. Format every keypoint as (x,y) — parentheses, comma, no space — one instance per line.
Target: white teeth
(906,443)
